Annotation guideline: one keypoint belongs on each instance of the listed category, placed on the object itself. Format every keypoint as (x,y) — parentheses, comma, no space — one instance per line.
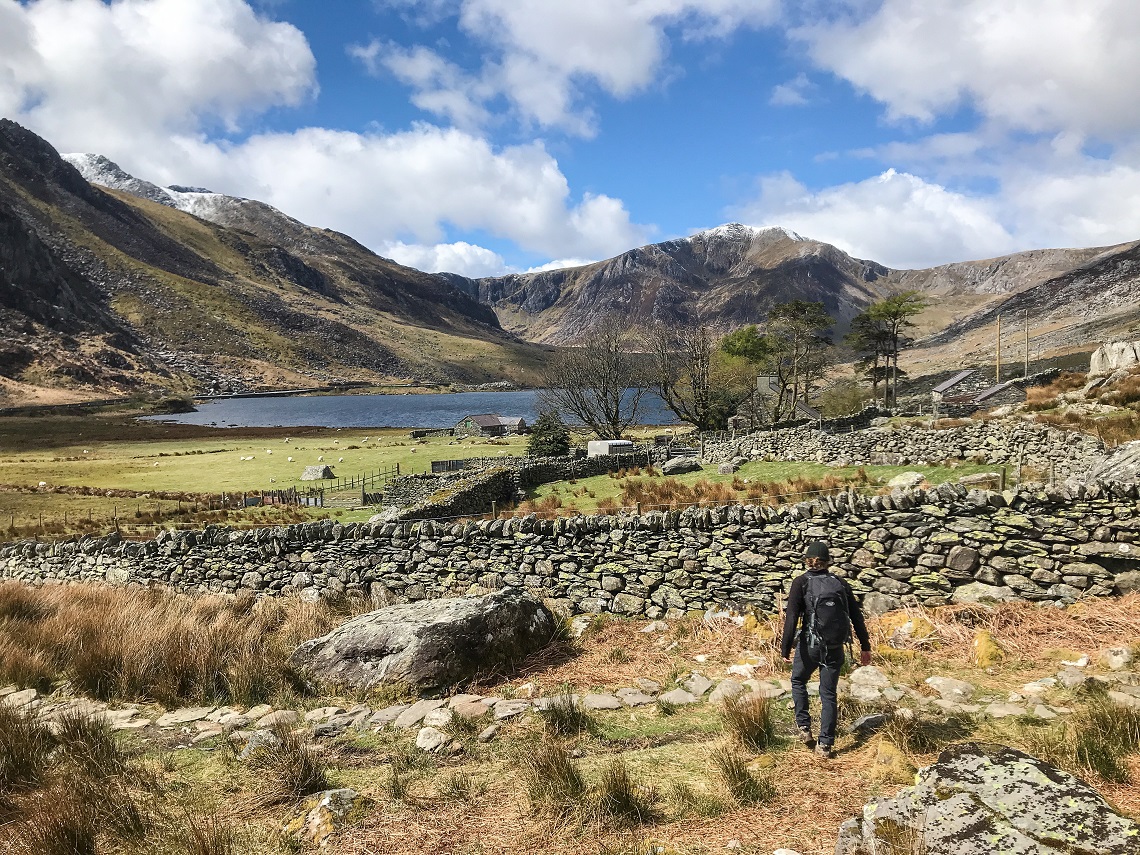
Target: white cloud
(793,93)
(78,70)
(1036,65)
(542,53)
(410,184)
(460,257)
(559,264)
(894,218)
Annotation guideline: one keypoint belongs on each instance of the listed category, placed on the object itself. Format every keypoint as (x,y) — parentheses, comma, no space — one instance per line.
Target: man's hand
(788,658)
(864,658)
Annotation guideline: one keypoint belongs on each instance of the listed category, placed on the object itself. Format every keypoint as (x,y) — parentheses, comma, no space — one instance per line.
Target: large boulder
(317,473)
(982,799)
(1113,356)
(429,645)
(680,465)
(1122,464)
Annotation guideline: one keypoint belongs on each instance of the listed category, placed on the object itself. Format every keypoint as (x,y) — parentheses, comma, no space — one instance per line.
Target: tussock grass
(155,644)
(1097,738)
(731,767)
(617,799)
(750,721)
(208,835)
(460,787)
(287,769)
(553,782)
(686,800)
(923,734)
(69,791)
(564,717)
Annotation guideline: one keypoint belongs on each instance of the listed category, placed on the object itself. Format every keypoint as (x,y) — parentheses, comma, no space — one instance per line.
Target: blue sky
(489,136)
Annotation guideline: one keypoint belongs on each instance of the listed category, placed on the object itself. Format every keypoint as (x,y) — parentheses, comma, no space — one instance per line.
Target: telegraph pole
(1027,342)
(997,363)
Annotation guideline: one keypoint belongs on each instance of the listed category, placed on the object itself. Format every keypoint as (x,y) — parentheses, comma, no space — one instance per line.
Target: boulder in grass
(317,473)
(430,645)
(982,799)
(680,465)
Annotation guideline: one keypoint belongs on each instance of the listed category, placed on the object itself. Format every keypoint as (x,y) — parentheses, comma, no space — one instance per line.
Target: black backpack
(826,621)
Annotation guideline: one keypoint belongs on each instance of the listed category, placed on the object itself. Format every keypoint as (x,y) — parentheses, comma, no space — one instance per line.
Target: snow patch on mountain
(739,231)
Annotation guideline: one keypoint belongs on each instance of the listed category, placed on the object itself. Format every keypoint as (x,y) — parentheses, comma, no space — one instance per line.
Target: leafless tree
(698,381)
(598,382)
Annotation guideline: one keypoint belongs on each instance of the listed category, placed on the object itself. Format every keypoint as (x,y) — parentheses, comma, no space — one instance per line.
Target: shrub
(548,436)
(750,721)
(919,734)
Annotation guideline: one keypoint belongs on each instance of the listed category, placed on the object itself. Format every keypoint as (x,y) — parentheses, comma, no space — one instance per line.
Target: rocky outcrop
(1114,356)
(986,799)
(1123,464)
(428,646)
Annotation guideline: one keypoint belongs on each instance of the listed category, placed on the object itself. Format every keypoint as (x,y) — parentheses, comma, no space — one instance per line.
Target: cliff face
(103,291)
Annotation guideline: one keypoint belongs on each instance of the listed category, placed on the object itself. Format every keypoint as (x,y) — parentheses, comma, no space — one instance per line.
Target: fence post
(494,511)
(1004,475)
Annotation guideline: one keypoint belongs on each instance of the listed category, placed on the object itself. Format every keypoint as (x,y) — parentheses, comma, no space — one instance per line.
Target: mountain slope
(107,291)
(725,277)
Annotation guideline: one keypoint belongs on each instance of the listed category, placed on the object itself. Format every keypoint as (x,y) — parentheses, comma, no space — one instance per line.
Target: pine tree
(548,436)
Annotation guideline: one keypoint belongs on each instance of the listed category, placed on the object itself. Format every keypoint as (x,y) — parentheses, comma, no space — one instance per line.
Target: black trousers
(828,662)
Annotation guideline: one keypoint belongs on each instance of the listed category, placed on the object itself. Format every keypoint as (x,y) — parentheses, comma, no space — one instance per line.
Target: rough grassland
(476,801)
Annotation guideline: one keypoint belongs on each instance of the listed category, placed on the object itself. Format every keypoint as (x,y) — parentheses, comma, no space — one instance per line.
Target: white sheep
(269,451)
(289,459)
(321,459)
(340,460)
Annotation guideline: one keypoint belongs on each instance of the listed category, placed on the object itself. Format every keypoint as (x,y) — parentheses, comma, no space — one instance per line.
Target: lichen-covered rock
(429,645)
(986,799)
(680,466)
(320,816)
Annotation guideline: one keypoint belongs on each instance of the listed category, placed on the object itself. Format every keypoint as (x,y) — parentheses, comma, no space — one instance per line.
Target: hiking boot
(823,752)
(805,737)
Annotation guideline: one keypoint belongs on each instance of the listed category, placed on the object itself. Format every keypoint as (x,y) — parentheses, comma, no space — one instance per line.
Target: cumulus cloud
(413,184)
(78,70)
(895,218)
(559,264)
(1037,65)
(542,53)
(460,257)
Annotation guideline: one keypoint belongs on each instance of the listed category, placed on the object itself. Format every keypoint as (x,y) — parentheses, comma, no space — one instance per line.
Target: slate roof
(484,420)
(953,381)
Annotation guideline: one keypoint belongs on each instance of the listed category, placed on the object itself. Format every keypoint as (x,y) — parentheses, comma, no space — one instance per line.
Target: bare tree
(597,382)
(695,378)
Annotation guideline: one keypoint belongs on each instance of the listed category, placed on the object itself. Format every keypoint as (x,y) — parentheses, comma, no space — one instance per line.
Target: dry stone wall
(931,547)
(1003,442)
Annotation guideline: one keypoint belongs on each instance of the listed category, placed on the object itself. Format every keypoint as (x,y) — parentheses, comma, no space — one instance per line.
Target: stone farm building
(489,424)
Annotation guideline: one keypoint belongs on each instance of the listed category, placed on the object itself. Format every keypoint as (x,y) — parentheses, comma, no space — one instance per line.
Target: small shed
(513,424)
(604,447)
(484,424)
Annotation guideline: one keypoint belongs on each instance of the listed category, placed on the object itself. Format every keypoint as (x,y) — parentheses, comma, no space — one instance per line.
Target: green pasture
(585,493)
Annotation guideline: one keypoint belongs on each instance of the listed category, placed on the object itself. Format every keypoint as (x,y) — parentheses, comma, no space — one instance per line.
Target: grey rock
(950,689)
(1005,710)
(16,700)
(489,732)
(978,592)
(697,684)
(726,689)
(257,740)
(188,715)
(1116,658)
(414,714)
(634,697)
(870,675)
(679,697)
(680,466)
(877,603)
(510,709)
(868,724)
(650,687)
(985,799)
(428,645)
(1128,582)
(601,702)
(281,717)
(429,739)
(386,716)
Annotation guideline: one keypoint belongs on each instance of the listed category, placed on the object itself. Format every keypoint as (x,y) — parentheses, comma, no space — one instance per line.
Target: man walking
(826,608)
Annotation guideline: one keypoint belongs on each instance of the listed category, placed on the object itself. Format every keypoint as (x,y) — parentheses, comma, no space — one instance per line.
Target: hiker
(828,609)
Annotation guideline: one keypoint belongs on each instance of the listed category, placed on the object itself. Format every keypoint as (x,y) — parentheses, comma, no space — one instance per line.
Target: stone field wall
(945,544)
(995,442)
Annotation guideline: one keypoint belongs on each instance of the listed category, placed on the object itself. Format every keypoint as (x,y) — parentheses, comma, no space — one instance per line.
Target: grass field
(480,799)
(121,454)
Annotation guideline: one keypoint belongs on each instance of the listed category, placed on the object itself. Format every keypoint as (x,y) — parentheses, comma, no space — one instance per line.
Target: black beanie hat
(817,549)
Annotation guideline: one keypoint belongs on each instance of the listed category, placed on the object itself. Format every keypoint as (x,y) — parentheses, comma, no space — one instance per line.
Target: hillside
(727,277)
(109,292)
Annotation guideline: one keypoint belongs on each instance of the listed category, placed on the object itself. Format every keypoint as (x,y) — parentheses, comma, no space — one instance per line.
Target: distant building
(603,447)
(992,397)
(489,424)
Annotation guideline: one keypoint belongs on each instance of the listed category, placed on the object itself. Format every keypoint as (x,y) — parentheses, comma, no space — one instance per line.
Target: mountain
(725,277)
(109,290)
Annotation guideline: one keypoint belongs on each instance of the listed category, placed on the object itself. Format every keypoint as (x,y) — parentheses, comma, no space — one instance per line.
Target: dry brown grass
(1045,397)
(153,644)
(671,493)
(1124,392)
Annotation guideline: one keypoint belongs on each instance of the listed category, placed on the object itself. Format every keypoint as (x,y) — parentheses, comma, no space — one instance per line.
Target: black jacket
(797,607)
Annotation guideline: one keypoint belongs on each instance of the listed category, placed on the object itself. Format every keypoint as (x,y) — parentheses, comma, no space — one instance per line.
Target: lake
(401,411)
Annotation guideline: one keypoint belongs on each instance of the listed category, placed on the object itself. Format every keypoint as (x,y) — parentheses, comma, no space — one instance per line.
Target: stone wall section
(993,442)
(1045,544)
